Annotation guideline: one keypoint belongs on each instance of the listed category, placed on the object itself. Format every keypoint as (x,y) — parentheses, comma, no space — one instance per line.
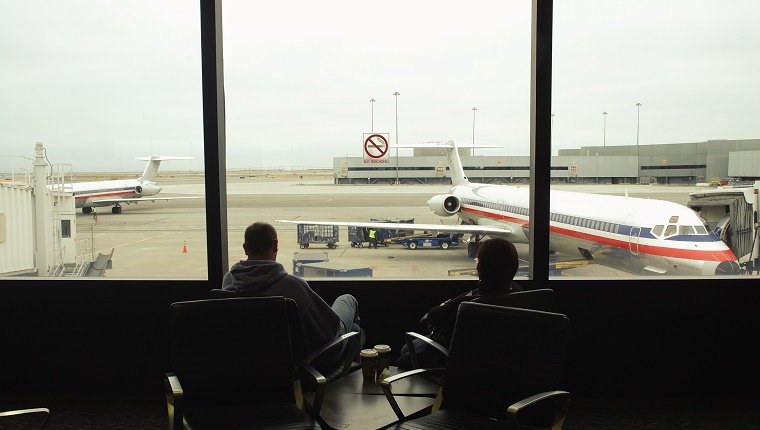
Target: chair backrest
(297,336)
(233,350)
(501,355)
(538,300)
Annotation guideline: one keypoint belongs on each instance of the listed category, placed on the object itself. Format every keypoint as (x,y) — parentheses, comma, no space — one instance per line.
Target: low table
(349,403)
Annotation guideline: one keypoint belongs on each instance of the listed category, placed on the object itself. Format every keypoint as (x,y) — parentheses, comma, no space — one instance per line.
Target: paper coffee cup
(369,363)
(383,360)
(369,353)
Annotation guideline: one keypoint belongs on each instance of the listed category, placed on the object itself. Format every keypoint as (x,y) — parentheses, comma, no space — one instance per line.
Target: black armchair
(314,377)
(235,365)
(503,371)
(539,300)
(24,418)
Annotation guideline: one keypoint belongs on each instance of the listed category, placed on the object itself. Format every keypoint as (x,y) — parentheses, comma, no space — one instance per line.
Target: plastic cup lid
(382,348)
(369,353)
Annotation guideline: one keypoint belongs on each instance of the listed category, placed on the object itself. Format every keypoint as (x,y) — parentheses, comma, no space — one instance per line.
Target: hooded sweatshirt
(269,278)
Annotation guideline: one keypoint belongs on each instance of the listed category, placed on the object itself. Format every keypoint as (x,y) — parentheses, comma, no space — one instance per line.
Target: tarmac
(168,239)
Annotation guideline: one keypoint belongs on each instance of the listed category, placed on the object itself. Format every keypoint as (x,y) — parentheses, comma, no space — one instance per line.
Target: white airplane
(640,236)
(106,193)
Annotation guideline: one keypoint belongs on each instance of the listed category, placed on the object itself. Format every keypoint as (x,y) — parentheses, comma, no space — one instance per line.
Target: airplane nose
(727,268)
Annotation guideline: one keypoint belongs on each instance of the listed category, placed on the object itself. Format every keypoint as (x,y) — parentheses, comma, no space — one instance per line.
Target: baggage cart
(357,236)
(309,234)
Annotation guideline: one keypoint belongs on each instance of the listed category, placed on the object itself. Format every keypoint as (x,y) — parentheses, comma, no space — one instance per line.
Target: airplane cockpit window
(673,219)
(701,229)
(657,230)
(686,230)
(671,229)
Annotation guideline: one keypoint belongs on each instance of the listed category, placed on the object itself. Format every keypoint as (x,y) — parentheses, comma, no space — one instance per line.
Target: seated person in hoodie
(262,275)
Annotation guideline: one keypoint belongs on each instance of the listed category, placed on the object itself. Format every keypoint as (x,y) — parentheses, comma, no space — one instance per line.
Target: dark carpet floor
(108,412)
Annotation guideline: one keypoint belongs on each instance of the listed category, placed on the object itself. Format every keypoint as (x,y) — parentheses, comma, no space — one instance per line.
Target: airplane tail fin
(452,153)
(154,161)
(455,165)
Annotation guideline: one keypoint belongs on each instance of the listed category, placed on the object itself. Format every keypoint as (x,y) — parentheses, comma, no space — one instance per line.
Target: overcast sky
(102,82)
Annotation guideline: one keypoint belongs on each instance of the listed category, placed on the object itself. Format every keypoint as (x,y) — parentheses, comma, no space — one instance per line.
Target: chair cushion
(453,420)
(279,416)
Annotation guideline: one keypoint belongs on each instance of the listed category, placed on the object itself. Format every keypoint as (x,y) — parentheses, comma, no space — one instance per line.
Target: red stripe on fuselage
(110,194)
(663,251)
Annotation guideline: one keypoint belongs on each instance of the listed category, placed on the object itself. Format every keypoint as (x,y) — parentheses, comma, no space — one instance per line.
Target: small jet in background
(115,192)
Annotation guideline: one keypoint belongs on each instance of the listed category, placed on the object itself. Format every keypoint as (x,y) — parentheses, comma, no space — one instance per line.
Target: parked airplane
(640,236)
(115,192)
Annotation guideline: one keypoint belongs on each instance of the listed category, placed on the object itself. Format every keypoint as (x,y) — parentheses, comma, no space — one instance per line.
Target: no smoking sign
(375,148)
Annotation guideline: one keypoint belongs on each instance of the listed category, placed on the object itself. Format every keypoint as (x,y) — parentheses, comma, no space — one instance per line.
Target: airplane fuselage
(89,194)
(634,234)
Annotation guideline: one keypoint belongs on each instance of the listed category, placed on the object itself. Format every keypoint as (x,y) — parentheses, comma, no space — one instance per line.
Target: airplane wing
(491,230)
(142,199)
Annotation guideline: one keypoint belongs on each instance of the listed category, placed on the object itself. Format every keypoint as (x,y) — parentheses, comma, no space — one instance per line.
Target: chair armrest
(349,353)
(385,384)
(44,411)
(174,400)
(319,391)
(338,340)
(559,402)
(410,335)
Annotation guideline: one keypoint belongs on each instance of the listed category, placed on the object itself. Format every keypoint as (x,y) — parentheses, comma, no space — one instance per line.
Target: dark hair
(259,237)
(497,261)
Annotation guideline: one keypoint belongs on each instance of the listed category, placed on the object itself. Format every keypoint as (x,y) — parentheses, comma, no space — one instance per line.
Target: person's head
(260,242)
(497,261)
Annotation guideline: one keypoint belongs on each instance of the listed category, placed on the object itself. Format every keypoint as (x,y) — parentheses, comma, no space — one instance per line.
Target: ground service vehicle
(443,241)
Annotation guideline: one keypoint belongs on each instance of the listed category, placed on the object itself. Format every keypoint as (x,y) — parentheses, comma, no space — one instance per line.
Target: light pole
(372,104)
(474,109)
(604,130)
(638,160)
(396,94)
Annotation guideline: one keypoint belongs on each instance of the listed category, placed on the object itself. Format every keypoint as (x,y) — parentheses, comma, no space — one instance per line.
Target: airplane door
(633,240)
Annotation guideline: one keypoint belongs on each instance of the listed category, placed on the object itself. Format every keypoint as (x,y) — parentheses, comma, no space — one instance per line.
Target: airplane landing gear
(86,210)
(116,210)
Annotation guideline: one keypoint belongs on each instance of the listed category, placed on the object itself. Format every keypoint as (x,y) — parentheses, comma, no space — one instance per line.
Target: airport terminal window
(629,128)
(300,104)
(99,84)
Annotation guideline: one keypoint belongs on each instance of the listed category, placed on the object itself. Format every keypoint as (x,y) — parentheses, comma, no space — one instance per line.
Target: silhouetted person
(497,265)
(261,274)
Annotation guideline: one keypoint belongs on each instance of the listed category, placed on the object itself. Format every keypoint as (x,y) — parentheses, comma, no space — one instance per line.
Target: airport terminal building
(674,163)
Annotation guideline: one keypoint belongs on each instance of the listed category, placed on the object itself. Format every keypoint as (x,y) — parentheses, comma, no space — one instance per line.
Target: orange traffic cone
(184,248)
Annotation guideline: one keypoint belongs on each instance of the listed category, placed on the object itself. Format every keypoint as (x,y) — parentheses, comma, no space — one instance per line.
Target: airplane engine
(146,189)
(444,204)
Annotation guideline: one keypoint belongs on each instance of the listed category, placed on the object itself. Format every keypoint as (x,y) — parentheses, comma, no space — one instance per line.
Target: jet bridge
(731,212)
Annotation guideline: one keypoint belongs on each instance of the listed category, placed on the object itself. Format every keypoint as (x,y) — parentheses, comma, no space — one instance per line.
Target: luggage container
(301,258)
(309,234)
(357,236)
(335,270)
